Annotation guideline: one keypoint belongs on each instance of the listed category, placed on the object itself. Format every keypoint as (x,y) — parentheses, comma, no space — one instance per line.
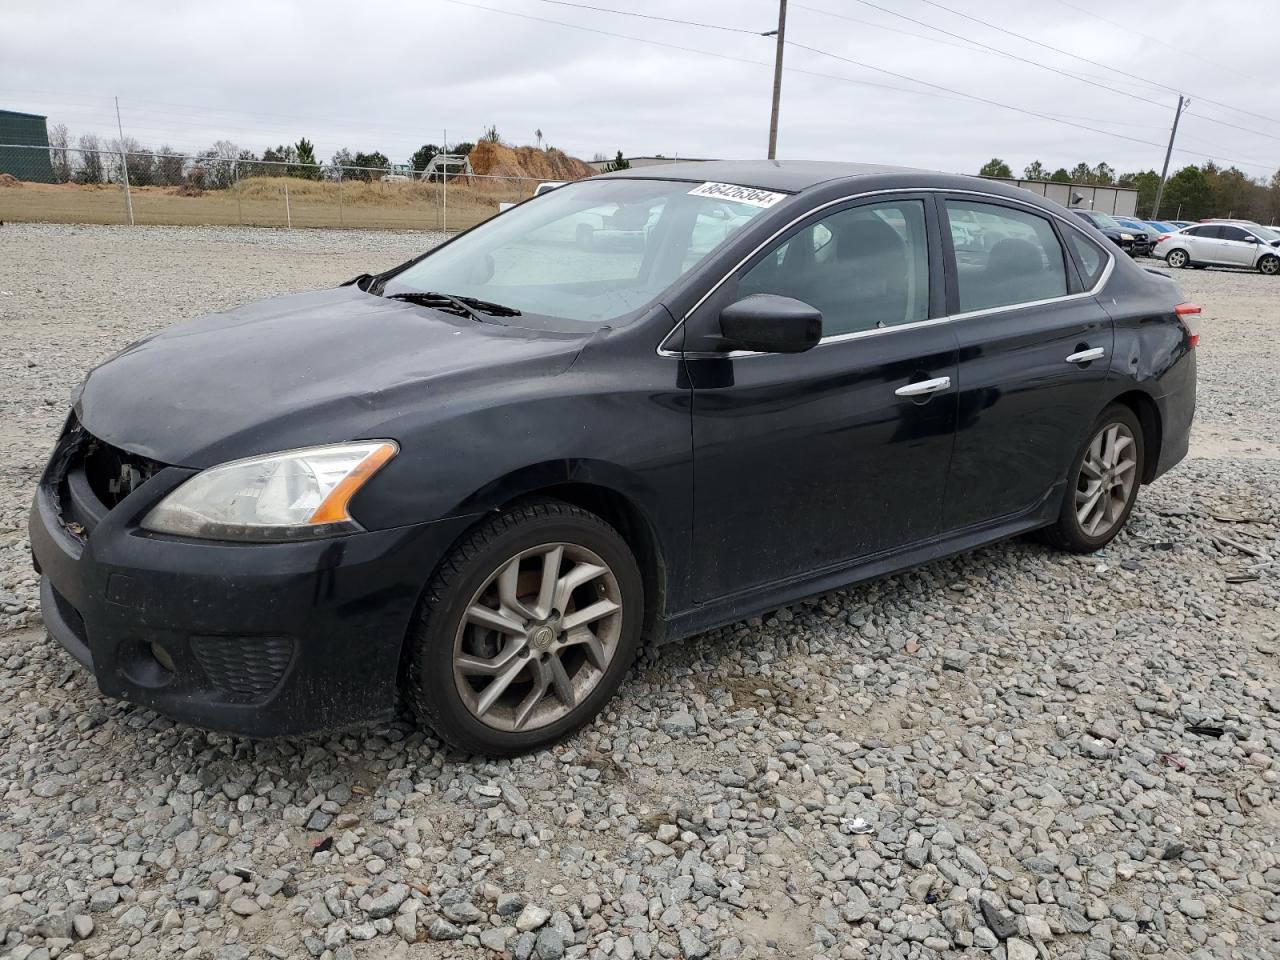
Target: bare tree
(168,168)
(90,160)
(538,133)
(59,142)
(138,161)
(219,163)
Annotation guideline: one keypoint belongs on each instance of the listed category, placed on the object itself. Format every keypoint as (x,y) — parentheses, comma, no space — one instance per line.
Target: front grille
(90,477)
(113,473)
(245,668)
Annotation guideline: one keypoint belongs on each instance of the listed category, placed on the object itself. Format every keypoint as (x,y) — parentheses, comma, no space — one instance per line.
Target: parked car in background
(1182,223)
(1123,237)
(1160,226)
(1144,235)
(545,187)
(1222,245)
(470,480)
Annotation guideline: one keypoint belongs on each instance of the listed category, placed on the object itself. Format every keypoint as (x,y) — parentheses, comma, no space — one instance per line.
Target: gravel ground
(1013,754)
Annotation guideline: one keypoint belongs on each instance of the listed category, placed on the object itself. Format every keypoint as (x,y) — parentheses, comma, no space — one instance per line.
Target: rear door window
(1233,233)
(1005,256)
(1090,258)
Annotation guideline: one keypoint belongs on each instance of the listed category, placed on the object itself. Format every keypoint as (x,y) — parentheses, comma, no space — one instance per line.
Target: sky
(392,75)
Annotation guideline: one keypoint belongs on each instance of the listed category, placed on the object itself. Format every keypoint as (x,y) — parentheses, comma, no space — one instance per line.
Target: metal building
(18,133)
(1120,201)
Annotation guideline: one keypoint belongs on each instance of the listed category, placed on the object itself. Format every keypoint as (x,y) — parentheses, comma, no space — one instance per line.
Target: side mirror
(1251,239)
(768,323)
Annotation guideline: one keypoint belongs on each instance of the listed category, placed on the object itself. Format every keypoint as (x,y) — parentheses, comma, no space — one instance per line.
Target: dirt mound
(499,160)
(9,180)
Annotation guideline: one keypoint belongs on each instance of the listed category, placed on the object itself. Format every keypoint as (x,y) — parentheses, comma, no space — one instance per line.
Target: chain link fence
(65,185)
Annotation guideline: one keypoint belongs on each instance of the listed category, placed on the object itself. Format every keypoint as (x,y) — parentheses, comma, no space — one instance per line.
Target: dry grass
(260,201)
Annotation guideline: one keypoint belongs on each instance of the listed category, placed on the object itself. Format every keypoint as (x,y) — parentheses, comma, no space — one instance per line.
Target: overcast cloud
(394,74)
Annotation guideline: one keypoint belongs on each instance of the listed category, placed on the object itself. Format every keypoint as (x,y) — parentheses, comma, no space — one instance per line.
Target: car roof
(793,176)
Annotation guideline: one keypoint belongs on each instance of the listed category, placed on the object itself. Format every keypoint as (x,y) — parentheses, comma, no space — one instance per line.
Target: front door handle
(1086,356)
(922,387)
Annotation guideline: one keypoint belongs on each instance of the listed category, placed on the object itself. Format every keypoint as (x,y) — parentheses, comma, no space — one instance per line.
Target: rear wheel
(1270,265)
(526,630)
(1102,485)
(1177,258)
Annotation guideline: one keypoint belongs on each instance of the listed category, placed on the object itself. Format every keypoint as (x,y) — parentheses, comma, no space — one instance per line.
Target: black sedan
(1134,242)
(479,481)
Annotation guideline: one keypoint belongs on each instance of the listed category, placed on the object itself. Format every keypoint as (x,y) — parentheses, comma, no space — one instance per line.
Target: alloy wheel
(1177,258)
(1106,480)
(1270,266)
(537,637)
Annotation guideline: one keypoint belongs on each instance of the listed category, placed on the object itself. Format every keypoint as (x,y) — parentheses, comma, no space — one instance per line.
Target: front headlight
(295,495)
(1126,236)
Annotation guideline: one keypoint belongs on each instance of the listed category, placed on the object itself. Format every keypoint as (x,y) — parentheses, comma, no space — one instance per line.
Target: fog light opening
(162,657)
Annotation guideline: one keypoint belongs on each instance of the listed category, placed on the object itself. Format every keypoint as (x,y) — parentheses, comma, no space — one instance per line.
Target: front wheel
(526,630)
(1102,484)
(1177,258)
(1270,265)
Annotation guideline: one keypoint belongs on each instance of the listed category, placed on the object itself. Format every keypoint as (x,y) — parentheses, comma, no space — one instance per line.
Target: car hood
(293,371)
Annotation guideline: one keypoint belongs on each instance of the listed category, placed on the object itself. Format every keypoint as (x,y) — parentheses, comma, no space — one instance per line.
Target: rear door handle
(1085,356)
(922,387)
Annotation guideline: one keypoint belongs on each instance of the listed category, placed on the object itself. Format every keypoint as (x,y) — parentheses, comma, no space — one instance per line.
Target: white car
(545,187)
(1222,245)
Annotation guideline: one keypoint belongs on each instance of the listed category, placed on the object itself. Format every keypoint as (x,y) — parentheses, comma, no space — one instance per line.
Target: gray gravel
(995,755)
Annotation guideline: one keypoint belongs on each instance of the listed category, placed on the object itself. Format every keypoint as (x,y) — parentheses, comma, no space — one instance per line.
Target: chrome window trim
(664,351)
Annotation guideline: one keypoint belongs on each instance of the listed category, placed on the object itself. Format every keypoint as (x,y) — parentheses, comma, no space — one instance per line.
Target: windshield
(1105,221)
(587,252)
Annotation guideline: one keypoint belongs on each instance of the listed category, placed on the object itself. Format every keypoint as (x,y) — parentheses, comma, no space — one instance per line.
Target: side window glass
(1233,233)
(1010,256)
(863,267)
(1194,231)
(1211,232)
(1089,258)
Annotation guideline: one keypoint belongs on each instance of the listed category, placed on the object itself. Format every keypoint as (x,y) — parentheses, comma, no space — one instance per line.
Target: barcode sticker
(731,191)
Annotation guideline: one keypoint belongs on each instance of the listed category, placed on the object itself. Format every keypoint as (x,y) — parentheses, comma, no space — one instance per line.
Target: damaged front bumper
(254,639)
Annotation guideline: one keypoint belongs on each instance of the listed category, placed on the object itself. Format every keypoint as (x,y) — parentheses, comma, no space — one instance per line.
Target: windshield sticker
(737,194)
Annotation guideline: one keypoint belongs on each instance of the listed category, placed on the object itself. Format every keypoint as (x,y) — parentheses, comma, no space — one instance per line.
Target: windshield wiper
(464,306)
(441,301)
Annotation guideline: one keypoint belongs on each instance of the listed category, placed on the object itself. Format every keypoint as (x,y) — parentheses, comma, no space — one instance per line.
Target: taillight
(1186,313)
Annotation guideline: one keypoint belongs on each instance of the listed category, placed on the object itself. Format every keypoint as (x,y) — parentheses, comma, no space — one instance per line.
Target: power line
(858,63)
(675,46)
(971,96)
(1164,43)
(650,16)
(1096,63)
(996,51)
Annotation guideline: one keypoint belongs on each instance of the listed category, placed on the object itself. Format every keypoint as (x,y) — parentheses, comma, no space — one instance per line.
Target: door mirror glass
(768,323)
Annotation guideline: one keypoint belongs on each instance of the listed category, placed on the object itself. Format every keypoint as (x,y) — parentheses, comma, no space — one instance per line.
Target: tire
(1177,258)
(494,681)
(1099,498)
(1270,265)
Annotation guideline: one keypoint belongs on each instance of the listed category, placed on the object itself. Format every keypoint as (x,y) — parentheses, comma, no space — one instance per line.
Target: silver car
(1222,245)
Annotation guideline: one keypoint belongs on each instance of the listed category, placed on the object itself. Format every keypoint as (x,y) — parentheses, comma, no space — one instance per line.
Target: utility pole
(781,33)
(1182,102)
(124,165)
